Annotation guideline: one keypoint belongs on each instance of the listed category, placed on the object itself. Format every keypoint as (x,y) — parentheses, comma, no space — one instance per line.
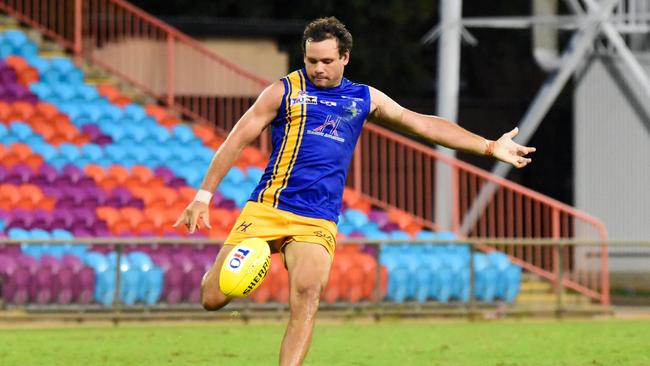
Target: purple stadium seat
(19,174)
(3,173)
(379,217)
(72,173)
(389,227)
(91,130)
(83,281)
(62,219)
(41,219)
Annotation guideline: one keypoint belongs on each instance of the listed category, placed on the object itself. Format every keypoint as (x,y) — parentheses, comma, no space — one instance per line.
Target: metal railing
(389,169)
(557,297)
(394,171)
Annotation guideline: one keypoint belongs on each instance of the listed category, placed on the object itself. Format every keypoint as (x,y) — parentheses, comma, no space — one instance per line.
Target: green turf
(502,343)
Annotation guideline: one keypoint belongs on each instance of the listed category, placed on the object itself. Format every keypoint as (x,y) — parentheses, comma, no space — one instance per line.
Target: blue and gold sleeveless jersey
(313,135)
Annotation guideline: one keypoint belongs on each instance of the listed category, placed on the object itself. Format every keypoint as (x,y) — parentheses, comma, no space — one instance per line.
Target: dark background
(499,77)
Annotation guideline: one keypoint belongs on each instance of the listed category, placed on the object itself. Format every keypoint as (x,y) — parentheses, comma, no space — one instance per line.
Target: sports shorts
(279,228)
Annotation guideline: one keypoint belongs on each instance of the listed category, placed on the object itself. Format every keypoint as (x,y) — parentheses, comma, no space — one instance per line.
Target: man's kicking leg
(309,266)
(211,296)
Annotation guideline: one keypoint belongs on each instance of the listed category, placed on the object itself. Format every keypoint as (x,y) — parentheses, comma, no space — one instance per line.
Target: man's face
(324,64)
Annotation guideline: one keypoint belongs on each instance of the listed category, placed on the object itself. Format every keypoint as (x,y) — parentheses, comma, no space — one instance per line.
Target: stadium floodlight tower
(591,20)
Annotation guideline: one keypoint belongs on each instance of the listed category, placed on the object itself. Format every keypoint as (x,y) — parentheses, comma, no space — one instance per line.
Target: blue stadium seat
(357,218)
(3,130)
(20,130)
(15,37)
(92,151)
(70,151)
(87,93)
(129,278)
(112,112)
(115,152)
(27,49)
(62,91)
(253,173)
(159,134)
(151,277)
(509,276)
(42,90)
(485,278)
(235,176)
(39,63)
(183,133)
(135,112)
(62,64)
(74,76)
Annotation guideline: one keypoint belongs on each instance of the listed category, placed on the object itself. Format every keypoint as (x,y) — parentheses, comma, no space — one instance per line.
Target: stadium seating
(82,160)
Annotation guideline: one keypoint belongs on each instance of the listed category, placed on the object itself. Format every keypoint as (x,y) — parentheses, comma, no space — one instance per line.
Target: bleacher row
(79,160)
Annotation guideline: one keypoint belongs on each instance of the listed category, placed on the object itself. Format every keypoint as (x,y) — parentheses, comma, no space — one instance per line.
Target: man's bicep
(386,111)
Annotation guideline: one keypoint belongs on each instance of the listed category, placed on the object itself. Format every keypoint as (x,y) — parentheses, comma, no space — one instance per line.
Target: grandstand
(81,158)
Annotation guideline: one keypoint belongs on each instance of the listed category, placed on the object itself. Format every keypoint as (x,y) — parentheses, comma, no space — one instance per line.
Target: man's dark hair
(326,28)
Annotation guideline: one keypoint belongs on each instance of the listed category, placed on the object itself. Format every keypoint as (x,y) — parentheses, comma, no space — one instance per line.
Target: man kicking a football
(316,116)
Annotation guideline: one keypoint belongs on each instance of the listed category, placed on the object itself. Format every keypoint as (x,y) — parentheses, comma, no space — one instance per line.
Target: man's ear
(345,57)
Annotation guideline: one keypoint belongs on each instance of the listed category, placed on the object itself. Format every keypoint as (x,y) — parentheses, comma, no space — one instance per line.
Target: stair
(537,292)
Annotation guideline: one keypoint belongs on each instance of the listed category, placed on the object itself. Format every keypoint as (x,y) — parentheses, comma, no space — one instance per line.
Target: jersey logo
(303,98)
(331,132)
(328,103)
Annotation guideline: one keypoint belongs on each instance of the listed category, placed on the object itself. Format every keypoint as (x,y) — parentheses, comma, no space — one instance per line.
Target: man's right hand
(194,212)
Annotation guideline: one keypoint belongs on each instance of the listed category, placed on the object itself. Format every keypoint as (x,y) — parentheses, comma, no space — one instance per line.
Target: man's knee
(308,291)
(211,299)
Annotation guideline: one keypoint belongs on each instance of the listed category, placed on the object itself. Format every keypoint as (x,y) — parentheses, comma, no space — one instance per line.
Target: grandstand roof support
(447,105)
(589,25)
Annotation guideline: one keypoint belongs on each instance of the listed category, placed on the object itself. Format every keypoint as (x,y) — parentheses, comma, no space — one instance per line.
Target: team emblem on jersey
(328,129)
(304,98)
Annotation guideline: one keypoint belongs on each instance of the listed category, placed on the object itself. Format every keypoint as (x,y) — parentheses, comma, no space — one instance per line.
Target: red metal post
(77,30)
(604,268)
(455,200)
(357,166)
(170,69)
(555,233)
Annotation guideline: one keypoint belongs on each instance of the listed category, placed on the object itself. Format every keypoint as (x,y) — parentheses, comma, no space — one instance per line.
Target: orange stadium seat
(133,217)
(203,132)
(120,173)
(16,62)
(142,173)
(401,218)
(186,193)
(156,111)
(9,196)
(170,121)
(22,110)
(332,291)
(109,214)
(281,293)
(30,196)
(47,110)
(66,130)
(109,91)
(21,150)
(34,161)
(28,76)
(95,171)
(5,110)
(167,195)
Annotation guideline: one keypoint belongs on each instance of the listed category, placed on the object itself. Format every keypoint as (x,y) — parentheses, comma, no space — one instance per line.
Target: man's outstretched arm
(249,127)
(440,131)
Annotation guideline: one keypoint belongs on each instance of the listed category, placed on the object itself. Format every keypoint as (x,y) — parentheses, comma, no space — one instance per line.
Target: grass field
(498,343)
